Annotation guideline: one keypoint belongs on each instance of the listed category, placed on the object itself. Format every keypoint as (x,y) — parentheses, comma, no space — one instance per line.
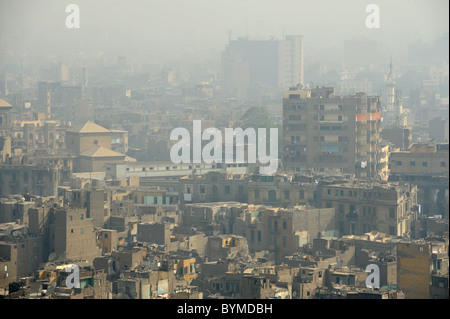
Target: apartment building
(279,190)
(325,132)
(363,206)
(427,166)
(422,268)
(74,236)
(37,179)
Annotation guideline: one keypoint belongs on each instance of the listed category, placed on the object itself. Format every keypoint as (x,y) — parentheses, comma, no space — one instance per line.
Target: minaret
(85,78)
(400,118)
(390,95)
(49,105)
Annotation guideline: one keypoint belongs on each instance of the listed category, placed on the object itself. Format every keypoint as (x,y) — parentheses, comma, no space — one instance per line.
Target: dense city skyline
(224,151)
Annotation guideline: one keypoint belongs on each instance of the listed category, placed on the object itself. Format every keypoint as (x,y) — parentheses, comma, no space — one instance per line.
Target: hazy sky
(169,28)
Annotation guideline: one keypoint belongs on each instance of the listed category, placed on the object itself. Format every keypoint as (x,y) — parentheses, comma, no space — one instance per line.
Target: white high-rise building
(290,66)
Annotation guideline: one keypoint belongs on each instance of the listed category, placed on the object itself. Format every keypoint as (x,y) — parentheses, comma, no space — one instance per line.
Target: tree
(256,117)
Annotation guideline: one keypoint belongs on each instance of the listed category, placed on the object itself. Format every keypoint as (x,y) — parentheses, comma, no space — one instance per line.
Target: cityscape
(224,151)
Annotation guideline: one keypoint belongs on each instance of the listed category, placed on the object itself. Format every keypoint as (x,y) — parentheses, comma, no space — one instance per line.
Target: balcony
(352,216)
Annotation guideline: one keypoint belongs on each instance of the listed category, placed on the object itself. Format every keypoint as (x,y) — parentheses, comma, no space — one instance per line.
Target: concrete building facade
(324,132)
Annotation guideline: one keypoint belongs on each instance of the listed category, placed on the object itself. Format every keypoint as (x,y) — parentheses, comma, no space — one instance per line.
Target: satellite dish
(121,275)
(35,287)
(51,289)
(51,257)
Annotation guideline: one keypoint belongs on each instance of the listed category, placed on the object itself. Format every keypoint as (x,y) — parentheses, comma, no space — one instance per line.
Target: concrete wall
(414,270)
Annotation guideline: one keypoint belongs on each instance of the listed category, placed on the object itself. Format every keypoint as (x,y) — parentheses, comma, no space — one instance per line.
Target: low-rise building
(363,206)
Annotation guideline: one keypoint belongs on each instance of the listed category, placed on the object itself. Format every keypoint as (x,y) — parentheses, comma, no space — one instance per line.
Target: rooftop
(5,105)
(89,127)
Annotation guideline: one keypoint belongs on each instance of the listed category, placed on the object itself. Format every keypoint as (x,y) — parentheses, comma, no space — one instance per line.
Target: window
(259,235)
(284,224)
(70,218)
(424,164)
(106,235)
(82,216)
(302,194)
(392,230)
(81,231)
(227,189)
(399,163)
(287,194)
(443,164)
(256,192)
(202,189)
(412,163)
(392,212)
(252,236)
